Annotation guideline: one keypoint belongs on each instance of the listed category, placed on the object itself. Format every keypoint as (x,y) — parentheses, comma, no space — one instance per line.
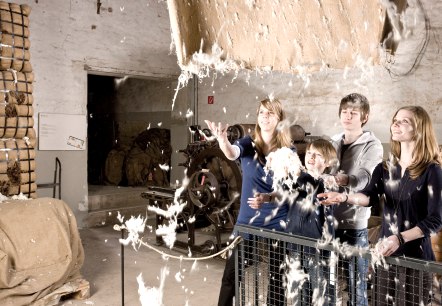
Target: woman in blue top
(411,182)
(269,135)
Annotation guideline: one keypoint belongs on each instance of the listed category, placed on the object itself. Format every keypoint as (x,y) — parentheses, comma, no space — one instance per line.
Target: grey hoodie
(358,162)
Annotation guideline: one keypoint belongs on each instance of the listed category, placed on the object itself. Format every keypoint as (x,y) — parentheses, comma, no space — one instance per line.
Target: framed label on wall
(62,132)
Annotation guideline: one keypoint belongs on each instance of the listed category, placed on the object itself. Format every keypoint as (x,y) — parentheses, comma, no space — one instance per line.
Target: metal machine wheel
(215,181)
(203,189)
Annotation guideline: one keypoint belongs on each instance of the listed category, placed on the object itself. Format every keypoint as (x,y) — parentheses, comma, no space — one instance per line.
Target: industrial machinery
(213,192)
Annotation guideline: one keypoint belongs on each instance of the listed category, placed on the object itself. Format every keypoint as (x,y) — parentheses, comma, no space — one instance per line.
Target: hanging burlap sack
(113,169)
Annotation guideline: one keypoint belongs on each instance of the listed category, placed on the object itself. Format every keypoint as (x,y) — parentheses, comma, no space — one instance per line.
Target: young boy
(308,218)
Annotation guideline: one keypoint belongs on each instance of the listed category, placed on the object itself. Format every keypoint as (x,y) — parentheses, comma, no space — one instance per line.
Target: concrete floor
(102,268)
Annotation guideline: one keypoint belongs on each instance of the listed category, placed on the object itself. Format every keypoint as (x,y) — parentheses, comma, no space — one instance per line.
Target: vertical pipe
(59,177)
(122,268)
(195,98)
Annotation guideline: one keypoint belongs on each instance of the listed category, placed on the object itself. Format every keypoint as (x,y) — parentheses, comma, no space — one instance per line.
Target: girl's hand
(258,199)
(388,246)
(218,130)
(331,198)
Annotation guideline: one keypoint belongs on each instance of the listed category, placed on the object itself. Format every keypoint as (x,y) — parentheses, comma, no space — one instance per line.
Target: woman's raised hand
(218,130)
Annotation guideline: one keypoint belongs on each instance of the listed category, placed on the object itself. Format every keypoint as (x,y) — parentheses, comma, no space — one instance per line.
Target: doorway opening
(102,128)
(129,131)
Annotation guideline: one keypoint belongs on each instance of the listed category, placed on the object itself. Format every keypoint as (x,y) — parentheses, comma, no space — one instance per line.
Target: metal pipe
(122,268)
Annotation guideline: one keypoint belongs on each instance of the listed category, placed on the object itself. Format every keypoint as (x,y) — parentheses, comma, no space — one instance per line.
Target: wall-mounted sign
(62,132)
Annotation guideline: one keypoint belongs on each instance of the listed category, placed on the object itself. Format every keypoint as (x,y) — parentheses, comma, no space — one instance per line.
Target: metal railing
(274,268)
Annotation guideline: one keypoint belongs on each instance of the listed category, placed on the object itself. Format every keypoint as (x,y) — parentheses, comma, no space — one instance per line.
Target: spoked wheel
(215,183)
(203,189)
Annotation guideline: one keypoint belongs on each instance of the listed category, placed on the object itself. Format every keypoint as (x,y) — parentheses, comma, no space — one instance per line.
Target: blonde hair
(326,149)
(426,150)
(281,134)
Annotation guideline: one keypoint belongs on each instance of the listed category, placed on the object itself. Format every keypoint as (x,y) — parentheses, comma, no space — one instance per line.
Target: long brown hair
(426,150)
(281,134)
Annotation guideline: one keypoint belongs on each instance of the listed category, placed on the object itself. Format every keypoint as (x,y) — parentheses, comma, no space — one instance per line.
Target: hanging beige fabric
(14,27)
(113,169)
(16,87)
(281,35)
(40,251)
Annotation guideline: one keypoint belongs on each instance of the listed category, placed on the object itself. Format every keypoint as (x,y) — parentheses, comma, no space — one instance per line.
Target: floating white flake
(164,167)
(285,166)
(134,227)
(189,114)
(152,296)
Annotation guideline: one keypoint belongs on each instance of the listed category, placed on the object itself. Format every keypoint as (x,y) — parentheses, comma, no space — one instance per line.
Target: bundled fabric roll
(16,149)
(14,28)
(28,189)
(16,121)
(16,176)
(16,87)
(17,168)
(25,165)
(7,188)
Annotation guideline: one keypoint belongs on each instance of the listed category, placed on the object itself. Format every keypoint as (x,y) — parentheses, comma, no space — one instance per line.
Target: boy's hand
(341,179)
(331,198)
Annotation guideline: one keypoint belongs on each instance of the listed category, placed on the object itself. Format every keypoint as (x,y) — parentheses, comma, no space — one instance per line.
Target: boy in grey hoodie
(358,153)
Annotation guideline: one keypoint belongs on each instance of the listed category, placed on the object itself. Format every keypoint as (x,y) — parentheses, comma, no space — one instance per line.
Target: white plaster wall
(68,39)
